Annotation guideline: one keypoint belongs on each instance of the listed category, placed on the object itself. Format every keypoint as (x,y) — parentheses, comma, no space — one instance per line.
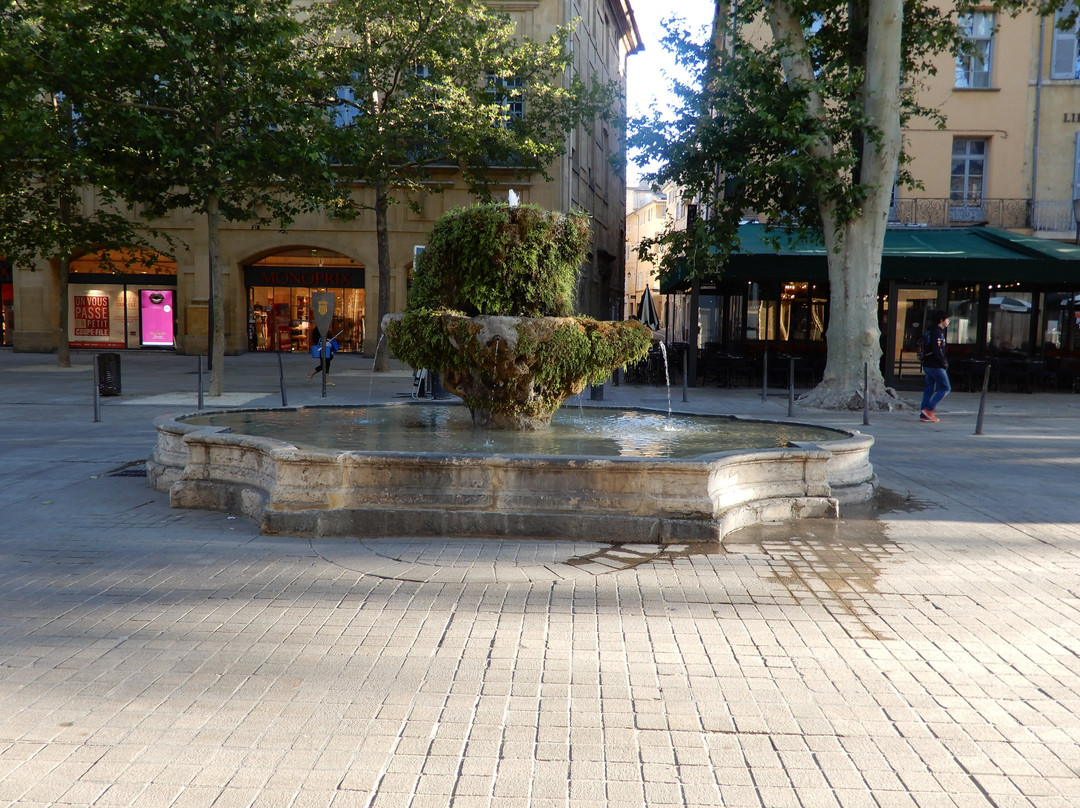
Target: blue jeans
(937,387)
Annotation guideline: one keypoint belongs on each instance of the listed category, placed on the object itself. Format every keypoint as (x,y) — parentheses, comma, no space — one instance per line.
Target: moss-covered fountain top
(491,309)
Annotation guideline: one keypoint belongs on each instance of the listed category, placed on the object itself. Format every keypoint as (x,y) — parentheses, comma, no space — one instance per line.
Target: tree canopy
(56,202)
(206,107)
(418,85)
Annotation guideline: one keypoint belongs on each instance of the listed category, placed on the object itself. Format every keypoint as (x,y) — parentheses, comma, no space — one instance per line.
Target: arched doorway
(279,289)
(122,299)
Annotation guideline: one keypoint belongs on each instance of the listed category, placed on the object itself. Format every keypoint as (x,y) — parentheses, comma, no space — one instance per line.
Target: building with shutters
(1009,155)
(988,236)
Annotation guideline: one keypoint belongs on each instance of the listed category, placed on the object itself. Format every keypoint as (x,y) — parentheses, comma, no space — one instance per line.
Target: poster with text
(97,317)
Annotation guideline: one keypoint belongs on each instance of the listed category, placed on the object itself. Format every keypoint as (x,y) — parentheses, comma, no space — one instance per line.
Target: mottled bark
(854,247)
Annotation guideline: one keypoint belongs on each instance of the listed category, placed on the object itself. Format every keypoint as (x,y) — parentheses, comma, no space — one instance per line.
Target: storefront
(279,303)
(131,307)
(1007,294)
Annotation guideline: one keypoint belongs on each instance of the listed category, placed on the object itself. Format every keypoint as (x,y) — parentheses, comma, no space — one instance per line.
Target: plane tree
(56,202)
(210,108)
(417,86)
(796,117)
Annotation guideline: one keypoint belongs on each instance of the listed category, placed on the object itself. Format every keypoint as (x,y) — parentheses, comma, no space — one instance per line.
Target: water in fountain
(593,431)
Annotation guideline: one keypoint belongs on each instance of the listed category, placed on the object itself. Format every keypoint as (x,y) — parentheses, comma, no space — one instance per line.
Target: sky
(645,70)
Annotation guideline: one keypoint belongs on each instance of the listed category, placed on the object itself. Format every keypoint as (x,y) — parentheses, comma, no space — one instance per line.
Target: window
(973,66)
(510,94)
(346,109)
(967,176)
(1065,55)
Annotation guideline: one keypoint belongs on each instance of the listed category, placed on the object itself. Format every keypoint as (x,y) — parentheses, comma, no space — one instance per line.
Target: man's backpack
(922,346)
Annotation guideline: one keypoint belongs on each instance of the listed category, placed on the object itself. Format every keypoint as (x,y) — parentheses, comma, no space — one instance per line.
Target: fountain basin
(289,489)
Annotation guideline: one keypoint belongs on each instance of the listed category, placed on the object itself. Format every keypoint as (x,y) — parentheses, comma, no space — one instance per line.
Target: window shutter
(1063,55)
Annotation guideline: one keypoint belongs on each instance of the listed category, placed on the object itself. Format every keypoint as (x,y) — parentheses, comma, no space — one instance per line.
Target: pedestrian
(316,351)
(935,365)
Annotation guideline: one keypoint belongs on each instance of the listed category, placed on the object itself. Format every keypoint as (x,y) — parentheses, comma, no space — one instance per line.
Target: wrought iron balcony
(1003,213)
(1053,215)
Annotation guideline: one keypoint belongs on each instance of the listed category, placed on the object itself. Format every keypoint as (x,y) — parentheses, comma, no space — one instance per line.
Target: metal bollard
(791,388)
(866,394)
(765,376)
(685,370)
(982,401)
(97,391)
(323,361)
(281,381)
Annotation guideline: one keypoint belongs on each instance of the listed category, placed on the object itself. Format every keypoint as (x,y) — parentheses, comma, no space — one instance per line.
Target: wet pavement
(922,650)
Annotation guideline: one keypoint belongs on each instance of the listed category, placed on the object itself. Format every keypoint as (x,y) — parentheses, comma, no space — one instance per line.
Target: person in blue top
(935,365)
(316,351)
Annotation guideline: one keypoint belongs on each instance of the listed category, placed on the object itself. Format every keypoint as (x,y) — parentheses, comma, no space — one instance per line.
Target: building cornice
(628,28)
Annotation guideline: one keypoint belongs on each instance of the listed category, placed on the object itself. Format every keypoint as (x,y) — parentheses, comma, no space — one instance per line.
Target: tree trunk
(854,338)
(63,352)
(854,248)
(382,240)
(217,296)
(63,349)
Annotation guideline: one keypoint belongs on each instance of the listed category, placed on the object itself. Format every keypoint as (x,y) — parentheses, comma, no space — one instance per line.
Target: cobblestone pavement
(923,650)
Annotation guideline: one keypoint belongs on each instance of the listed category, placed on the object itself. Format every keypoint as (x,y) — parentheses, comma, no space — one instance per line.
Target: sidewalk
(923,651)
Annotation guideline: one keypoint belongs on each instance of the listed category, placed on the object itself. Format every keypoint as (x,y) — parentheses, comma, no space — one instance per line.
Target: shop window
(709,318)
(762,313)
(963,315)
(280,318)
(1008,328)
(802,312)
(1061,320)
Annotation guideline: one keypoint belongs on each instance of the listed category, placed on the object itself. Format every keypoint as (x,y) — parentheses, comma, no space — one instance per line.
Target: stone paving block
(920,658)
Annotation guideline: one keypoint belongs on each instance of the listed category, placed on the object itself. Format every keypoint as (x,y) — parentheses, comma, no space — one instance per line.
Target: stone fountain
(489,309)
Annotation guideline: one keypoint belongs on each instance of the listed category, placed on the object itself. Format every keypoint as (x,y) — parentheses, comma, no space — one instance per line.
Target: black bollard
(97,390)
(866,394)
(791,388)
(281,381)
(982,400)
(324,363)
(685,371)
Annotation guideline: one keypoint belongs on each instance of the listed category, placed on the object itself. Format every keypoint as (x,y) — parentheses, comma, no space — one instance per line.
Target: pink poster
(156,314)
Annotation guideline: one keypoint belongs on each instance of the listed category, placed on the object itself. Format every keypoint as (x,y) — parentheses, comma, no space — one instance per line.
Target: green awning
(974,254)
